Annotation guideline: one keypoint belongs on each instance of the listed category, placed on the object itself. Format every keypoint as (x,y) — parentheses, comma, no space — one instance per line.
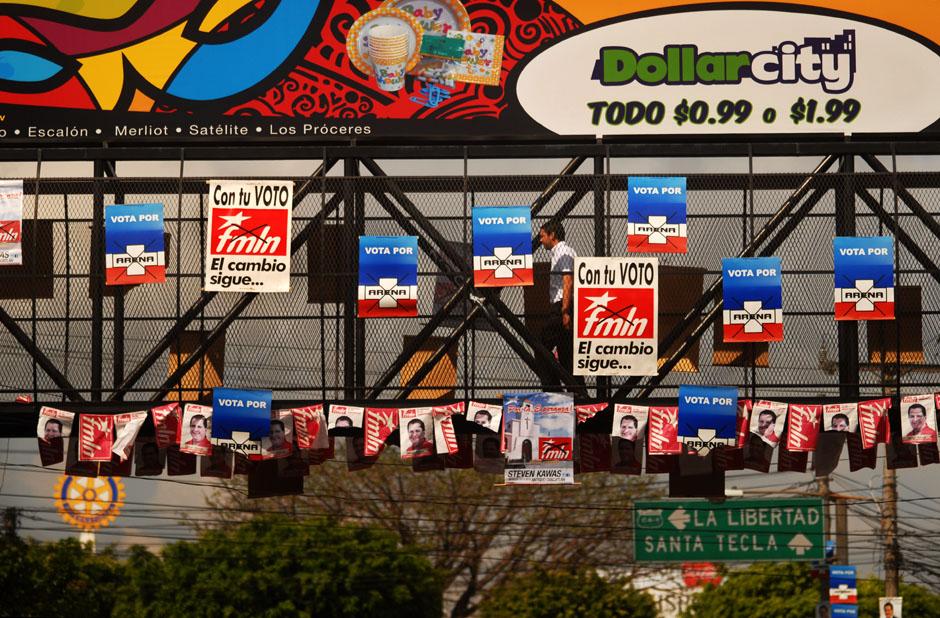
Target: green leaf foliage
(777,590)
(272,566)
(56,579)
(918,602)
(788,589)
(566,595)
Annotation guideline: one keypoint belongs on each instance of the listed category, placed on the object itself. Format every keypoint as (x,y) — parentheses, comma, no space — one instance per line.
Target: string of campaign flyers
(530,438)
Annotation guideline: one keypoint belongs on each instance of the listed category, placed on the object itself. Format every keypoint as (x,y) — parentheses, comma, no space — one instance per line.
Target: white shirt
(562,263)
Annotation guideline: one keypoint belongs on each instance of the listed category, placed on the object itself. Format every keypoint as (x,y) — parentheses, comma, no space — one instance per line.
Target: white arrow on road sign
(679,518)
(800,544)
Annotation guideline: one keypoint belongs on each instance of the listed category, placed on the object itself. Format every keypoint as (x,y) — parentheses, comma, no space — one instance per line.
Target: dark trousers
(556,337)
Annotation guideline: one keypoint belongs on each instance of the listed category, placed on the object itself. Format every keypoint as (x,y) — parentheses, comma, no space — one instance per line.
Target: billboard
(320,70)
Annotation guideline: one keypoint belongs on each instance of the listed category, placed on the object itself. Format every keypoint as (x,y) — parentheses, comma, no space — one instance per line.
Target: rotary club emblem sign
(89,503)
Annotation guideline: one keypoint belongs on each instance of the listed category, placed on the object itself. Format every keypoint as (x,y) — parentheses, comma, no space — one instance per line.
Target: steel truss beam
(206,297)
(711,294)
(461,277)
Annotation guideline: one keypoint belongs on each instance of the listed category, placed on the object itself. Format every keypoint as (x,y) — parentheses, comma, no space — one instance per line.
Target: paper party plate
(436,17)
(357,44)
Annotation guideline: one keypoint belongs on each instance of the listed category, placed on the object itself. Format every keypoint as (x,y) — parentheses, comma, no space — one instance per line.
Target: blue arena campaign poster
(864,277)
(388,276)
(656,210)
(238,411)
(708,417)
(502,246)
(134,251)
(753,299)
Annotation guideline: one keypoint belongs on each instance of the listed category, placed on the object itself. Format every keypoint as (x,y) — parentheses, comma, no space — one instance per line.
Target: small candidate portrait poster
(95,437)
(485,415)
(502,246)
(133,239)
(345,416)
(149,458)
(278,443)
(196,430)
(918,419)
(586,411)
(889,607)
(873,422)
(167,424)
(768,419)
(538,431)
(629,422)
(54,424)
(662,434)
(310,430)
(752,290)
(11,222)
(445,436)
(416,435)
(378,425)
(656,215)
(864,277)
(127,425)
(388,276)
(249,236)
(803,427)
(840,417)
(615,316)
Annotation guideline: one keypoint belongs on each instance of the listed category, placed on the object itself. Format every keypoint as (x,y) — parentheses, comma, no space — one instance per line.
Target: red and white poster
(11,222)
(744,414)
(379,424)
(587,411)
(95,437)
(310,427)
(445,438)
(840,417)
(197,430)
(662,437)
(615,310)
(127,427)
(629,422)
(415,438)
(767,421)
(345,416)
(167,423)
(918,419)
(486,415)
(803,427)
(873,422)
(248,244)
(54,424)
(278,443)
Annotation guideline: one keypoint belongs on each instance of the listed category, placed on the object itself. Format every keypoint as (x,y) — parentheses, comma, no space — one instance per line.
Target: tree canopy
(789,589)
(56,579)
(267,566)
(566,595)
(273,566)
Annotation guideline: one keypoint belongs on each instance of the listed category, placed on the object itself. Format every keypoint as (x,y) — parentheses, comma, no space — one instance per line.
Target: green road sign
(733,531)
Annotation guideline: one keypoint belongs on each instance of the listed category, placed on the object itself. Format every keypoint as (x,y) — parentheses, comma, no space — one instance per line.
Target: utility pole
(889,526)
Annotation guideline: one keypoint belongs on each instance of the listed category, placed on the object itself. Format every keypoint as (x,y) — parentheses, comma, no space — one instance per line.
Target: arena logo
(829,62)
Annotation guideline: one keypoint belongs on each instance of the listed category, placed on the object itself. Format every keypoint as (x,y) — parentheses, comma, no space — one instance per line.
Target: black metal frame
(392,195)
